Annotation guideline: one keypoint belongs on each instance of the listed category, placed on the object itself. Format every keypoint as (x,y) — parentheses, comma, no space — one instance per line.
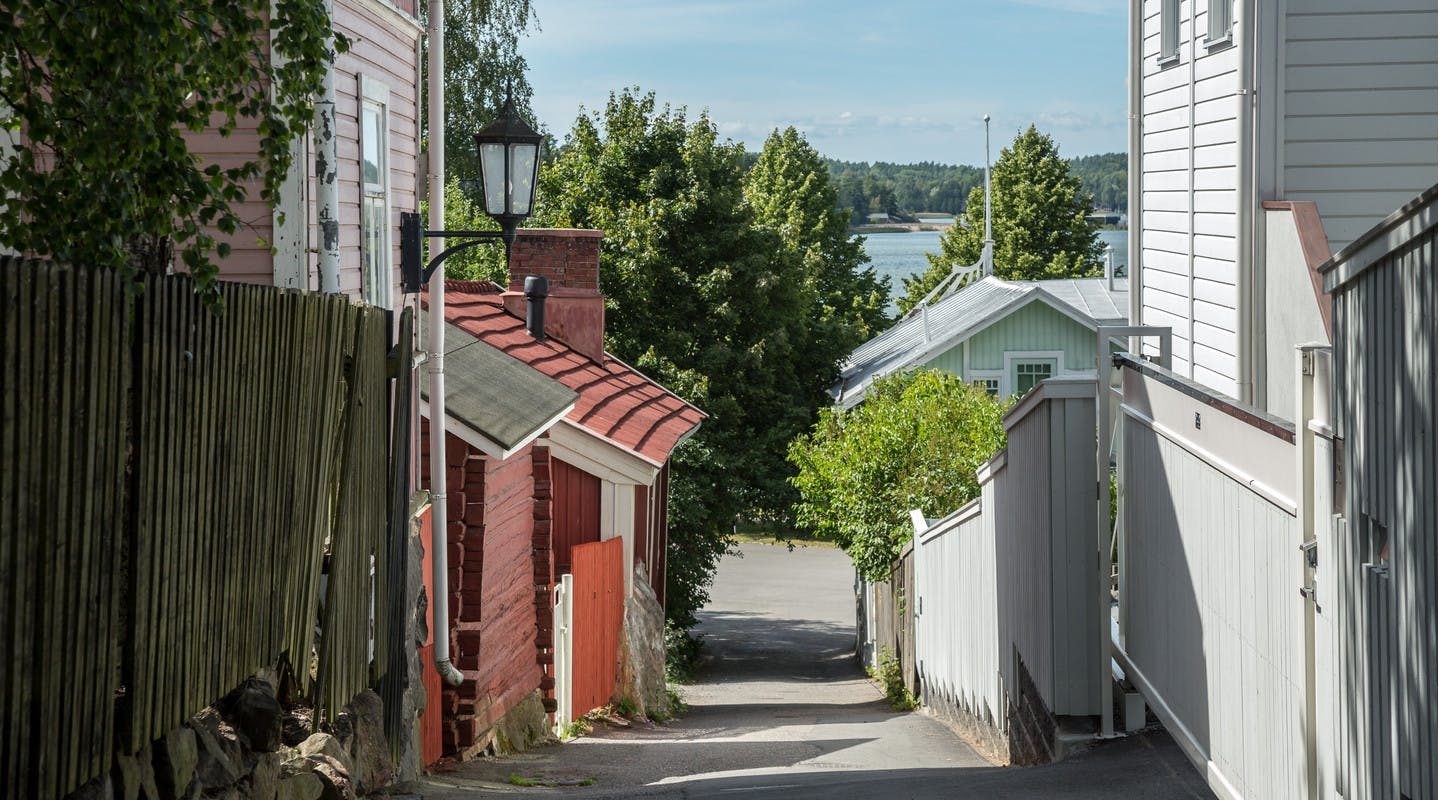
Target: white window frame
(997,375)
(1169,29)
(1007,384)
(376,292)
(1223,13)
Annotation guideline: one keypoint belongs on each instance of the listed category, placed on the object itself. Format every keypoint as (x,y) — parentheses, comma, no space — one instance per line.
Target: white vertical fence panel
(1213,623)
(1012,574)
(956,643)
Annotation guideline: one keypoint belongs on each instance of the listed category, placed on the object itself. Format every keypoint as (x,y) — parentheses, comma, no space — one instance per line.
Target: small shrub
(887,673)
(626,707)
(681,652)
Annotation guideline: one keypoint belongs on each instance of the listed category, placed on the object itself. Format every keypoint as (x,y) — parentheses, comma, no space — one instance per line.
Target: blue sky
(889,80)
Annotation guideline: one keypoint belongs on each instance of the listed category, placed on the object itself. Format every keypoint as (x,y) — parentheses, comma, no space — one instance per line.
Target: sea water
(899,255)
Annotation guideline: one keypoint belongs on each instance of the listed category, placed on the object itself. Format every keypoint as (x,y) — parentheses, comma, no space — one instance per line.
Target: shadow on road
(751,646)
(1143,767)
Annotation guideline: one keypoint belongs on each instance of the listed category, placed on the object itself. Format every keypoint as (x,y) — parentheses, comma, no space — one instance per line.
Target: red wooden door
(576,509)
(598,616)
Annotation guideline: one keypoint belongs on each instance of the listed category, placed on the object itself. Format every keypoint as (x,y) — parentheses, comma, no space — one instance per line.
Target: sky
(887,80)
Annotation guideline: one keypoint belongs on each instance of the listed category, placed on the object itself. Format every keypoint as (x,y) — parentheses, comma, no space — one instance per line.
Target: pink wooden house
(376,164)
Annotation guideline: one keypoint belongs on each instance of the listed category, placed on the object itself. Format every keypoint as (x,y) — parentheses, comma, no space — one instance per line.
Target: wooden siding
(1385,365)
(1188,179)
(599,612)
(1211,623)
(576,510)
(1007,580)
(1035,326)
(1359,119)
(383,48)
(496,626)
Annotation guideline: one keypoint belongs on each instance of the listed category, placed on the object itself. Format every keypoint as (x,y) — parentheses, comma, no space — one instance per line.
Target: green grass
(760,533)
(520,780)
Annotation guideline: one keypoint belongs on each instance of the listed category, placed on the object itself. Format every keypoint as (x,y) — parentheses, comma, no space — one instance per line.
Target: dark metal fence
(174,484)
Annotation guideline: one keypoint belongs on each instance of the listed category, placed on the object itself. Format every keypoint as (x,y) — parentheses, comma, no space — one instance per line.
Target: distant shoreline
(899,227)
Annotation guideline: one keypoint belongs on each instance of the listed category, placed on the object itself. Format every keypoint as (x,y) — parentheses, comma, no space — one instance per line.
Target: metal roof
(1091,297)
(498,397)
(922,334)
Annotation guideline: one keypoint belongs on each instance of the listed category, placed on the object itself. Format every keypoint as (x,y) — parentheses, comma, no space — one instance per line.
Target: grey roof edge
(499,398)
(1398,226)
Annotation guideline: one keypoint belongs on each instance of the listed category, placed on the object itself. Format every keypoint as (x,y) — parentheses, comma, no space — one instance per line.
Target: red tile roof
(616,401)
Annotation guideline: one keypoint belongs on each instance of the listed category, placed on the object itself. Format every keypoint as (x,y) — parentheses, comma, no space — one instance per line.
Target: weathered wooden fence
(1006,634)
(886,622)
(173,481)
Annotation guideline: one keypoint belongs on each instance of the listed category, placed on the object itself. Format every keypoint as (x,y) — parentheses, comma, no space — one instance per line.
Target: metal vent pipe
(536,290)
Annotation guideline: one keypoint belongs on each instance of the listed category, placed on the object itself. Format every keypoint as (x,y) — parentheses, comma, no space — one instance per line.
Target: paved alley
(780,708)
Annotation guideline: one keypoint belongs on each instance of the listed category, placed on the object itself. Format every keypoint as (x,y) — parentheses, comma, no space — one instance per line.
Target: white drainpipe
(327,170)
(1134,269)
(439,523)
(1246,270)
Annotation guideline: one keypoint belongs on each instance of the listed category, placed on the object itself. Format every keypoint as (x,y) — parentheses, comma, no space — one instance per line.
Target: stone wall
(253,746)
(642,652)
(1031,726)
(1029,734)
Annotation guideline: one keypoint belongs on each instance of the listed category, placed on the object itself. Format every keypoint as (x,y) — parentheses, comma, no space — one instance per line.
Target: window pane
(1029,373)
(374,258)
(1219,15)
(522,177)
(371,151)
(1169,28)
(492,168)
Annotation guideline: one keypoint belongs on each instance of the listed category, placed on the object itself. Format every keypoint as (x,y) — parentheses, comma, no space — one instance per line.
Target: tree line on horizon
(904,190)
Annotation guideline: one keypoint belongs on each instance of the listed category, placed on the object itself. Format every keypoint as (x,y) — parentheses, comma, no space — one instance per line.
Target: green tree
(915,442)
(1039,222)
(790,193)
(104,94)
(482,59)
(712,298)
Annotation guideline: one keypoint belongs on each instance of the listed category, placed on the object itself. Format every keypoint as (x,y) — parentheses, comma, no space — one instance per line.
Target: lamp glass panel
(522,177)
(492,168)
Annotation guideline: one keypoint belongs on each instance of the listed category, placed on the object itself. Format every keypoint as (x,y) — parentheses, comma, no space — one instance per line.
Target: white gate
(563,609)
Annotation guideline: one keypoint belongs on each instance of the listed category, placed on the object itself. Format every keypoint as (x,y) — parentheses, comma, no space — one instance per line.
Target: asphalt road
(780,709)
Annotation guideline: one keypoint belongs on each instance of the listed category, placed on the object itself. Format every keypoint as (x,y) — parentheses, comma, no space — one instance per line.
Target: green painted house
(1005,335)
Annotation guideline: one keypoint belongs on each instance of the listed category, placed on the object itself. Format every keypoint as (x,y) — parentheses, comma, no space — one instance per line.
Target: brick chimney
(569,259)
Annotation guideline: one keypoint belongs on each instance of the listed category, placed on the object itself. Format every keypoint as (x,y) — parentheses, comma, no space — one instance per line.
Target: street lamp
(509,164)
(509,160)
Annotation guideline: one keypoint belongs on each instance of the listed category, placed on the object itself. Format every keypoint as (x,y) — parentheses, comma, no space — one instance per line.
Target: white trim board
(598,456)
